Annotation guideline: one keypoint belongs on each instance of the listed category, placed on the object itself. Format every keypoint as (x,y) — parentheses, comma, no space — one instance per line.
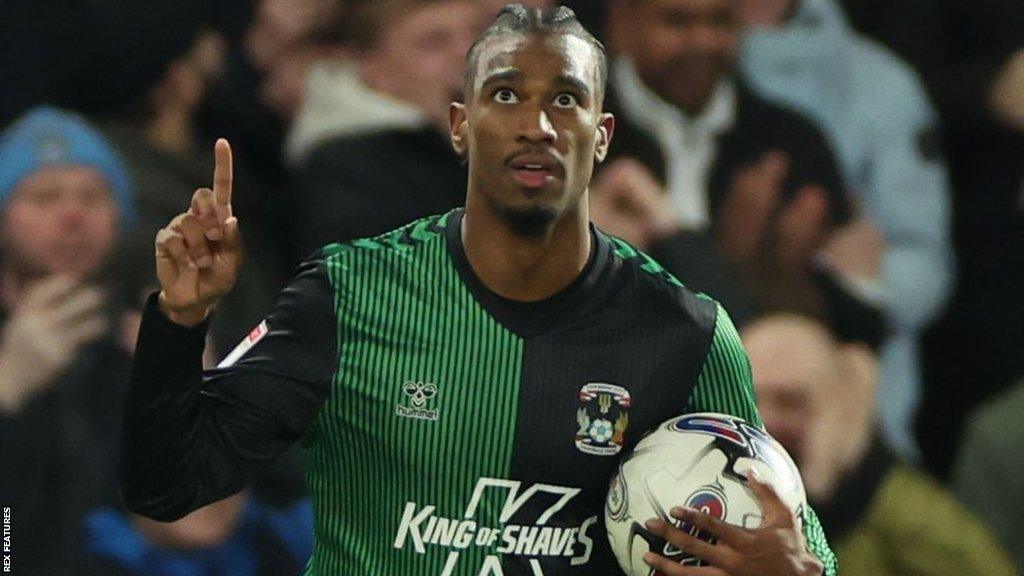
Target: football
(700,461)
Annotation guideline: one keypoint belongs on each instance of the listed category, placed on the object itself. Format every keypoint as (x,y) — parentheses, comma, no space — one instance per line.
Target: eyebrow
(513,74)
(503,75)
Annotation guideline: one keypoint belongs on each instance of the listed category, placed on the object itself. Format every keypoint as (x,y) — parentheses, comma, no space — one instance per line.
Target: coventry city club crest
(603,417)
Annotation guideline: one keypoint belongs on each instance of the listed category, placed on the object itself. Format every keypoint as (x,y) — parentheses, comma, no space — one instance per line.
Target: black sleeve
(190,438)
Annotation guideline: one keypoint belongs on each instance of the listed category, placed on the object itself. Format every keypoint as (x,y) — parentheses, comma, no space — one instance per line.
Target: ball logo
(718,427)
(711,501)
(602,418)
(746,440)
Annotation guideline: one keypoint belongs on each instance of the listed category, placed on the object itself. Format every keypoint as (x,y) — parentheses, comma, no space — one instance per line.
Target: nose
(537,129)
(72,214)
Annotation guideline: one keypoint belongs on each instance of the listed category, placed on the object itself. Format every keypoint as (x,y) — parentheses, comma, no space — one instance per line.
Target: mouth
(535,171)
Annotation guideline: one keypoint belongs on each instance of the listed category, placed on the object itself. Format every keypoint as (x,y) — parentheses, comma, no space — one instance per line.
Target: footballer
(464,387)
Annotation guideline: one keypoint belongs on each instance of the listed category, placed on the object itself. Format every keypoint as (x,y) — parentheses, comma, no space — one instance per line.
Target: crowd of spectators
(846,176)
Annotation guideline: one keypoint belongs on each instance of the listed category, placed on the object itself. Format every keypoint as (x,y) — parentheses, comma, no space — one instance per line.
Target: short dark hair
(517,20)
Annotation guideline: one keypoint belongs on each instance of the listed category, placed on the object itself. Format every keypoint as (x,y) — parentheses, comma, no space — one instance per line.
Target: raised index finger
(223,175)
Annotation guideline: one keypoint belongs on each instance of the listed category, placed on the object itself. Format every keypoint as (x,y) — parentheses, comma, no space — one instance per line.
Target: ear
(458,120)
(605,129)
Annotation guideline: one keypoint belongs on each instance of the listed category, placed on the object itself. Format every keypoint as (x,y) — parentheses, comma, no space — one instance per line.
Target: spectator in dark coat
(762,180)
(64,197)
(371,145)
(970,55)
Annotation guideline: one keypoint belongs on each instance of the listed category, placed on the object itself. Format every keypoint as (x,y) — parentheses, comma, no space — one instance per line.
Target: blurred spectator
(65,196)
(237,536)
(285,39)
(254,101)
(970,55)
(882,516)
(987,475)
(627,200)
(150,118)
(762,178)
(871,106)
(973,66)
(371,143)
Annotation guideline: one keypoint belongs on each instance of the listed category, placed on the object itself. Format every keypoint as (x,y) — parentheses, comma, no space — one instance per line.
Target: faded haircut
(516,20)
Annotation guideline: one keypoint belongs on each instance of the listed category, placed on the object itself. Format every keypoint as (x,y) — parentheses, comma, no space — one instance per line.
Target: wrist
(188,317)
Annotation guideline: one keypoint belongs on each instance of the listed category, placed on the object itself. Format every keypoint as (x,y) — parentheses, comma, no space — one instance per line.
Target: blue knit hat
(46,136)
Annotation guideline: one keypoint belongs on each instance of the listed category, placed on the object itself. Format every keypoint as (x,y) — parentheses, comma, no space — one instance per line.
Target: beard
(526,222)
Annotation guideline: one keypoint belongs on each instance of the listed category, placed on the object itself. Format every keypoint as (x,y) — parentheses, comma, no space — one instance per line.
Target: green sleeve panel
(726,385)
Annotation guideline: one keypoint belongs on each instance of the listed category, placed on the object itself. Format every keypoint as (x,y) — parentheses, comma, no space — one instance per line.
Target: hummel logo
(419,394)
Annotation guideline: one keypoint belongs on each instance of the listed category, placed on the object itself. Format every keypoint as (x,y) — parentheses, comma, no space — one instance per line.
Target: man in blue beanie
(64,197)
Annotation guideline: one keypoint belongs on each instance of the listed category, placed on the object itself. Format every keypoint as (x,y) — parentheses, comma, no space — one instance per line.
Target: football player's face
(532,126)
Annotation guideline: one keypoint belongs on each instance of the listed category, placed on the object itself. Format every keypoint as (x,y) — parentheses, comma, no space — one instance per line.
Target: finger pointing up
(223,178)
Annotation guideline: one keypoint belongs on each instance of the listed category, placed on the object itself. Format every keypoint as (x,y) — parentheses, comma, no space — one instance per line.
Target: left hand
(776,548)
(627,201)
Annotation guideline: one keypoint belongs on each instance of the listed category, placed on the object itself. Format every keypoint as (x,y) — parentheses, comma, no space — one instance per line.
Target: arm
(726,385)
(908,196)
(191,438)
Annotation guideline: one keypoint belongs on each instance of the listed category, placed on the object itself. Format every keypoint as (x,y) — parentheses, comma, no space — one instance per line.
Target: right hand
(199,253)
(755,227)
(752,200)
(50,324)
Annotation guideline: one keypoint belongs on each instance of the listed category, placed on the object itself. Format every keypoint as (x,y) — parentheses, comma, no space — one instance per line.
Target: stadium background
(864,224)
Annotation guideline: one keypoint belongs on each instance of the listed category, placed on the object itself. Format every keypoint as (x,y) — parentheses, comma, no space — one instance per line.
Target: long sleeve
(190,438)
(908,195)
(726,385)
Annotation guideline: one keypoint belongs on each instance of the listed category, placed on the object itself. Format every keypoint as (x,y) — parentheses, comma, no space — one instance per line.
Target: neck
(526,269)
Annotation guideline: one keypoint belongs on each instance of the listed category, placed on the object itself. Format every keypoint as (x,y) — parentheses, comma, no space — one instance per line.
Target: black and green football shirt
(448,431)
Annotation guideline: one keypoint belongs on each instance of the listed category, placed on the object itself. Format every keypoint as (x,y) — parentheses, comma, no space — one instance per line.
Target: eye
(506,96)
(566,100)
